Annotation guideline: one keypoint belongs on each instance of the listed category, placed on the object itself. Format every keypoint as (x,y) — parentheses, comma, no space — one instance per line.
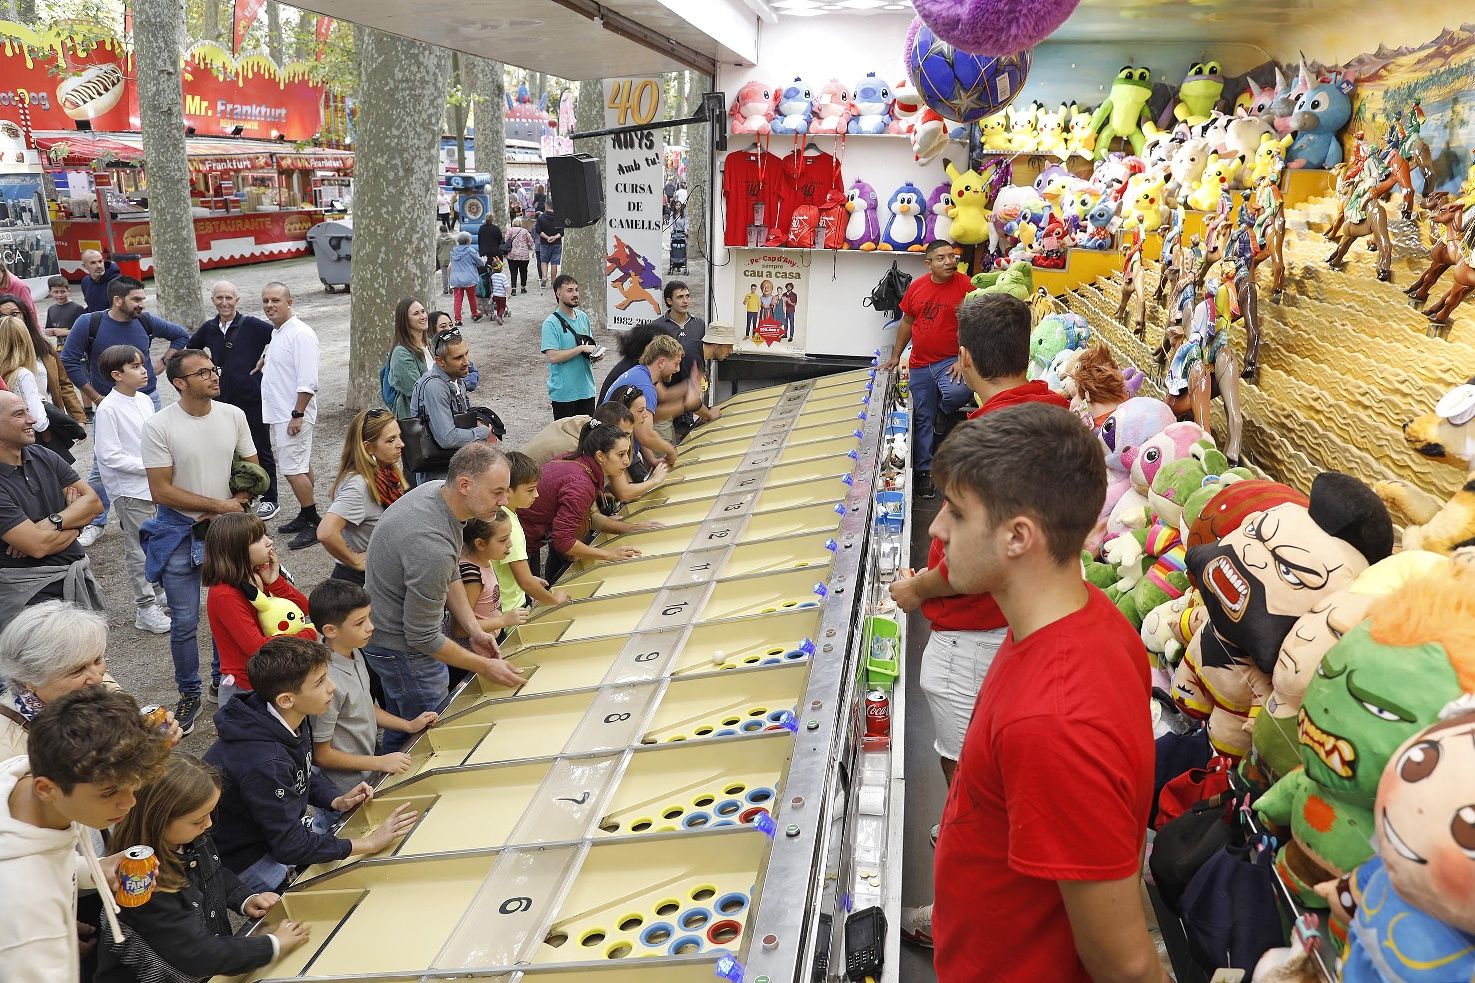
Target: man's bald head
(276,302)
(225,297)
(92,263)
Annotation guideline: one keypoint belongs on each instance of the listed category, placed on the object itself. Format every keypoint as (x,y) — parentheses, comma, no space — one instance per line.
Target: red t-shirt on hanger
(749,178)
(807,180)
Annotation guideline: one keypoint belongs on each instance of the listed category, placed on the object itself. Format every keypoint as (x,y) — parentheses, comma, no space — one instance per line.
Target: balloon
(958,85)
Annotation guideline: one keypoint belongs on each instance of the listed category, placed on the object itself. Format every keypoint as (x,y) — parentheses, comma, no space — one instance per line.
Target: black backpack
(887,293)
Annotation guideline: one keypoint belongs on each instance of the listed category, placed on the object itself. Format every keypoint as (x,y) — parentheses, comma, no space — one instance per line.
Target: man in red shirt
(930,322)
(1039,858)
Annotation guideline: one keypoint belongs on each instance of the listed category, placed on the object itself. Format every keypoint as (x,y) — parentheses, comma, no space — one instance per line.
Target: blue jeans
(94,477)
(181,582)
(265,874)
(934,394)
(413,683)
(323,820)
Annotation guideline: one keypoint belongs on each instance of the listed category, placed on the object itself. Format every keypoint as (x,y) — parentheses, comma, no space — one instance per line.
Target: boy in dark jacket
(264,756)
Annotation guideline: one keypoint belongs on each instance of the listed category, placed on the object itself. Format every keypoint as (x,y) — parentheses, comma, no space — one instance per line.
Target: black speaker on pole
(576,190)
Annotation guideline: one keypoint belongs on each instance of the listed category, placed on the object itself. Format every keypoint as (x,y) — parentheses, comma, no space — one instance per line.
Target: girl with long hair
(56,386)
(240,568)
(637,479)
(409,359)
(369,481)
(186,922)
(564,512)
(18,369)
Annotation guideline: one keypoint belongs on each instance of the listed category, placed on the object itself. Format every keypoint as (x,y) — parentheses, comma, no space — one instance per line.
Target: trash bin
(130,264)
(332,244)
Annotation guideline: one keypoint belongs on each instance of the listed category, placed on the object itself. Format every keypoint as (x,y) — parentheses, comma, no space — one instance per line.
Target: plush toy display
(940,207)
(1218,177)
(1375,688)
(1017,280)
(1054,334)
(1269,158)
(1097,233)
(1413,904)
(1168,628)
(1134,423)
(1080,136)
(1228,508)
(1050,125)
(870,107)
(795,108)
(277,615)
(752,109)
(1186,167)
(1010,205)
(904,229)
(970,211)
(1448,435)
(994,132)
(862,226)
(1198,96)
(1322,110)
(1144,208)
(1174,443)
(1024,136)
(994,27)
(831,113)
(1124,111)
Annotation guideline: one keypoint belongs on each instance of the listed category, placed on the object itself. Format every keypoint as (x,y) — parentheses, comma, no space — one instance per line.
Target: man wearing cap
(717,344)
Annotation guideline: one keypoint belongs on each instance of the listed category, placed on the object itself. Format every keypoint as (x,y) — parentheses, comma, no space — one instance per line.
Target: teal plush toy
(1054,334)
(1016,281)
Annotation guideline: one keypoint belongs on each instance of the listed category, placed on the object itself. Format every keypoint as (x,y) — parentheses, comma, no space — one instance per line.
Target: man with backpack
(123,323)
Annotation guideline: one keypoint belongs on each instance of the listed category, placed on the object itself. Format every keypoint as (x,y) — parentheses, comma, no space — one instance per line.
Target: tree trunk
(583,249)
(274,32)
(158,30)
(538,87)
(211,27)
(698,166)
(457,109)
(487,86)
(402,94)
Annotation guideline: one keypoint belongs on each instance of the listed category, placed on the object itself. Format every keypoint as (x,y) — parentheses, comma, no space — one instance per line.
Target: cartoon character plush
(1186,168)
(1080,137)
(1385,680)
(862,227)
(1124,111)
(1243,134)
(870,106)
(1218,177)
(1255,100)
(831,109)
(929,137)
(1198,96)
(1320,113)
(1274,732)
(752,109)
(1174,443)
(905,228)
(1010,205)
(1448,435)
(1167,628)
(1269,158)
(1132,425)
(1077,203)
(994,131)
(1050,128)
(906,106)
(1017,280)
(1412,904)
(277,615)
(795,108)
(1097,234)
(1024,136)
(1145,207)
(970,210)
(1257,581)
(939,213)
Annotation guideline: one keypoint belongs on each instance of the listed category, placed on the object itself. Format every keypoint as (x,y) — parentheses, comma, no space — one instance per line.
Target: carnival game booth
(253,200)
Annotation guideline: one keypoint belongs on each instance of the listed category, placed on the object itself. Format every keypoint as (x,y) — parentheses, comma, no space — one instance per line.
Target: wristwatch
(298,414)
(56,520)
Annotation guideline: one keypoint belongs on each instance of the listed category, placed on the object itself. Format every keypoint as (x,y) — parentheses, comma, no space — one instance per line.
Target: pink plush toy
(1143,463)
(752,108)
(1122,435)
(994,27)
(831,109)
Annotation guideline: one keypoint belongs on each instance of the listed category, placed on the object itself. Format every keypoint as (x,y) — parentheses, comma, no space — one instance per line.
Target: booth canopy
(206,154)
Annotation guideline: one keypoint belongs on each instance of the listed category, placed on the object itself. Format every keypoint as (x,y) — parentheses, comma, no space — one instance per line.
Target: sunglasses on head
(376,413)
(627,394)
(444,339)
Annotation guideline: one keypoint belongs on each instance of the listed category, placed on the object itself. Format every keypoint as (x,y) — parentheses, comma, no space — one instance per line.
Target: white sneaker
(916,925)
(266,510)
(151,619)
(88,536)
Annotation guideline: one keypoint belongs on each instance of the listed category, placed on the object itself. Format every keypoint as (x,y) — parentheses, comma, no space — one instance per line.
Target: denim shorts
(550,252)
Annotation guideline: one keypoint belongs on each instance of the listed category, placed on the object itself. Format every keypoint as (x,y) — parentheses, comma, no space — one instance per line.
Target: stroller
(678,246)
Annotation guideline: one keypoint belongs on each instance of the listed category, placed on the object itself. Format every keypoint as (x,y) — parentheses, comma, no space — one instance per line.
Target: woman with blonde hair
(18,369)
(369,480)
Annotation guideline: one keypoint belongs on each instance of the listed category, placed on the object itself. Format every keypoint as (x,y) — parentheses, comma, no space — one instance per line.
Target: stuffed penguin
(906,228)
(862,227)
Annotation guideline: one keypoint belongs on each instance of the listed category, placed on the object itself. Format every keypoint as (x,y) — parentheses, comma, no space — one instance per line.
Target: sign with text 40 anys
(634,172)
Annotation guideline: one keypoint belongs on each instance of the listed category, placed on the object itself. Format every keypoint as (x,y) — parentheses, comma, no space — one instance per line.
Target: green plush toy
(1053,335)
(1124,111)
(1018,280)
(1379,685)
(1199,94)
(1096,572)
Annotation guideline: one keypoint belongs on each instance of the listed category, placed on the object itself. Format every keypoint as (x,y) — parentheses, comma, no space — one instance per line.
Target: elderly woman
(47,651)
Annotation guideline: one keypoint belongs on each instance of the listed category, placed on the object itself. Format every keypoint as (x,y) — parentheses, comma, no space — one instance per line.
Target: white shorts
(953,666)
(294,454)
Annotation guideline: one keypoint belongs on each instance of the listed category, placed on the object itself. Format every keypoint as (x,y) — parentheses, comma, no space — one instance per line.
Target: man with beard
(659,362)
(1061,729)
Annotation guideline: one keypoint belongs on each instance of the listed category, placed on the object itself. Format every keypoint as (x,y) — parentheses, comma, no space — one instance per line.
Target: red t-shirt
(1054,784)
(807,180)
(933,307)
(235,629)
(979,612)
(749,178)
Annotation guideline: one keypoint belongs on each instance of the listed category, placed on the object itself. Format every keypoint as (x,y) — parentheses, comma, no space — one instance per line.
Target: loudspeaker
(576,190)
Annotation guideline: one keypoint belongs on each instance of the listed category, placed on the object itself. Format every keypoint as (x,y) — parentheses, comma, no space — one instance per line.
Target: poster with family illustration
(771,303)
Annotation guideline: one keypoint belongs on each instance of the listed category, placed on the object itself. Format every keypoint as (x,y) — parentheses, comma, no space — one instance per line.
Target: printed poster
(634,172)
(771,306)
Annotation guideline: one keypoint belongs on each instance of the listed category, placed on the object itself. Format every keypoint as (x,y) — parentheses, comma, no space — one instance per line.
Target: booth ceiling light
(795,6)
(994,27)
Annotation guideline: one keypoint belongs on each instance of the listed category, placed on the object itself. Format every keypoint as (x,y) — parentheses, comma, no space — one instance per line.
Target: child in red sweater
(240,565)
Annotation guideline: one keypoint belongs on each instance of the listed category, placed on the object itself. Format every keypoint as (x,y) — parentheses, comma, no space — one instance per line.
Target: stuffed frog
(1016,280)
(1413,904)
(1378,686)
(1124,111)
(1198,96)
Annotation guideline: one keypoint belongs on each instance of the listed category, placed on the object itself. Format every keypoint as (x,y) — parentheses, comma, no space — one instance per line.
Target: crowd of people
(318,688)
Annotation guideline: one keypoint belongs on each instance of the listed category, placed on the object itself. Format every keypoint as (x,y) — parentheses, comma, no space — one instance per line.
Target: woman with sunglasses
(564,512)
(369,481)
(410,357)
(637,479)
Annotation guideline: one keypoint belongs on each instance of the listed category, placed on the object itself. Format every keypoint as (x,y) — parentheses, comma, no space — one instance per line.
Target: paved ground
(513,382)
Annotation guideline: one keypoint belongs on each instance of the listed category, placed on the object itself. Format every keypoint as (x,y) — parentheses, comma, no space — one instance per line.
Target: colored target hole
(758,796)
(732,904)
(704,893)
(728,808)
(777,716)
(642,825)
(703,731)
(592,937)
(618,951)
(668,907)
(773,727)
(702,801)
(686,945)
(749,726)
(694,920)
(757,711)
(736,788)
(790,604)
(810,604)
(723,822)
(675,738)
(750,815)
(724,932)
(695,820)
(775,651)
(632,921)
(772,662)
(657,935)
(794,655)
(673,813)
(732,721)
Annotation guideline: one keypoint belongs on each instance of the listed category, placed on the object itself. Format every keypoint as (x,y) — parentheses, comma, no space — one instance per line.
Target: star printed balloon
(958,85)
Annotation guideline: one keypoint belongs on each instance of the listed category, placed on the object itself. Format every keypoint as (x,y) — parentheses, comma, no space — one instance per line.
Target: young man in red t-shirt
(1039,859)
(930,322)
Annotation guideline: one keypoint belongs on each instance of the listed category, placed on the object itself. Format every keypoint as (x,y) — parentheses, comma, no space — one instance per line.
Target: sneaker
(458,324)
(924,487)
(267,510)
(935,830)
(475,318)
(304,539)
(152,619)
(214,691)
(88,536)
(187,712)
(297,525)
(916,925)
